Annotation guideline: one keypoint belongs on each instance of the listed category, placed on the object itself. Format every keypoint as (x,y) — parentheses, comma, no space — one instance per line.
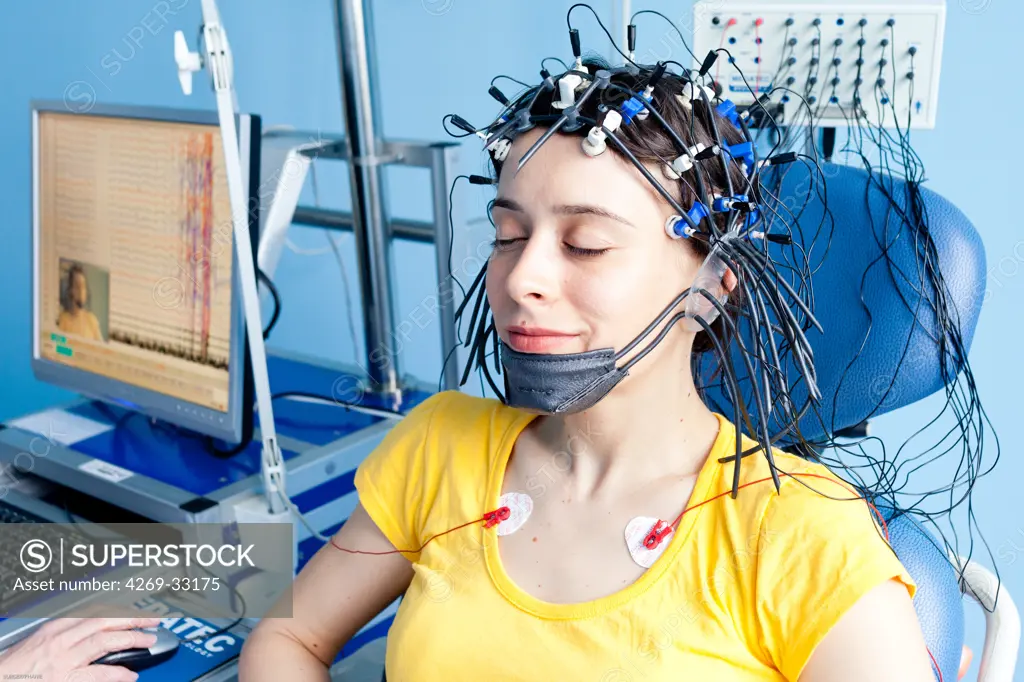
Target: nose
(534,276)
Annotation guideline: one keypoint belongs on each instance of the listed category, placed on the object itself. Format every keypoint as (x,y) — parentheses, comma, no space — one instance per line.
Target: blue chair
(854,392)
(899,364)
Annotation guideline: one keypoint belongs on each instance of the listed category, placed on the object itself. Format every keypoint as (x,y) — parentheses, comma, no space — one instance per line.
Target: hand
(63,650)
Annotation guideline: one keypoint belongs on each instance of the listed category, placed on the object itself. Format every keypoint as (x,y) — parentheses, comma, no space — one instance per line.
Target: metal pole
(440,185)
(401,228)
(353,26)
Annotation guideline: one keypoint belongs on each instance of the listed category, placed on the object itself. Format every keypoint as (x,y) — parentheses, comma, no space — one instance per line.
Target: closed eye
(584,253)
(501,244)
(504,243)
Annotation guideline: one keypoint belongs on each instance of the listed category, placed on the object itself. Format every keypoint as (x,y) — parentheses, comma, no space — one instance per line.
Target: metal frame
(366,152)
(437,157)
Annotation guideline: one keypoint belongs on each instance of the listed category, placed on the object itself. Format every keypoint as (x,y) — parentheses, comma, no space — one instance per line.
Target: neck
(649,426)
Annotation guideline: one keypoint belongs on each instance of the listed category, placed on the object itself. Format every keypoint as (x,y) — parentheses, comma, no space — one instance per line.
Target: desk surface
(169,456)
(163,453)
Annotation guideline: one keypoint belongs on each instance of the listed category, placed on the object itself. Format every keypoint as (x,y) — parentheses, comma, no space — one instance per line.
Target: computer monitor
(135,289)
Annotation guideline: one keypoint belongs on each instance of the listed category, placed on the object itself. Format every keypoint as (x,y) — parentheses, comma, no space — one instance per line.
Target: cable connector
(499,148)
(676,231)
(778,159)
(727,110)
(493,518)
(567,85)
(701,153)
(631,109)
(709,61)
(693,217)
(481,180)
(659,531)
(742,152)
(684,162)
(594,143)
(524,121)
(497,94)
(692,93)
(738,203)
(648,94)
(675,170)
(463,125)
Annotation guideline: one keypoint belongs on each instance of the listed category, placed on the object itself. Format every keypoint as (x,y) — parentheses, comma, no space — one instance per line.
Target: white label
(58,426)
(106,470)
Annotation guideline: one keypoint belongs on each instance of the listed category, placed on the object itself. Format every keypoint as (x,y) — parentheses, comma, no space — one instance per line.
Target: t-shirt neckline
(544,609)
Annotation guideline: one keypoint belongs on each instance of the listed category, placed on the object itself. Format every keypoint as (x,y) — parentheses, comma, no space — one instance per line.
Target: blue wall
(436,57)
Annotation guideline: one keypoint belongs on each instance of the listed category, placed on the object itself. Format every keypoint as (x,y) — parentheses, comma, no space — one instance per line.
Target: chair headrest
(879,350)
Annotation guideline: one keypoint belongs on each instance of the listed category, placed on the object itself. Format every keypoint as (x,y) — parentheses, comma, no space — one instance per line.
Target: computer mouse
(165,647)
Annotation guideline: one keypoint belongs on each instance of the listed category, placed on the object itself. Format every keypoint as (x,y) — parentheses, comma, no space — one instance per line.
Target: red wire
(721,41)
(488,516)
(881,519)
(937,671)
(409,551)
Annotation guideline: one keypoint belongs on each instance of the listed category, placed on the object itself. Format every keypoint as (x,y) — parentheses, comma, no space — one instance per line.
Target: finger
(102,673)
(102,643)
(55,626)
(86,627)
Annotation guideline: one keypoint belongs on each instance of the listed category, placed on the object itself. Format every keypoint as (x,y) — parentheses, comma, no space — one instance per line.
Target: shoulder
(803,485)
(814,514)
(447,428)
(432,465)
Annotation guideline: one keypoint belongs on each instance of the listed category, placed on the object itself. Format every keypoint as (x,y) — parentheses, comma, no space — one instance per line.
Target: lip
(536,339)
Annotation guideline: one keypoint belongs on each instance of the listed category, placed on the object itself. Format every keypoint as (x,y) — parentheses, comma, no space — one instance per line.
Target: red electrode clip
(657,534)
(497,516)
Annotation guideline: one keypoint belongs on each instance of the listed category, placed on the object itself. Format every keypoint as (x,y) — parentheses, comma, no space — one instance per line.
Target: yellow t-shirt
(745,590)
(83,324)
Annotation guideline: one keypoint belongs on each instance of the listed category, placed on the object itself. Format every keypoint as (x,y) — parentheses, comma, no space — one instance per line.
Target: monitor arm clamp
(217,60)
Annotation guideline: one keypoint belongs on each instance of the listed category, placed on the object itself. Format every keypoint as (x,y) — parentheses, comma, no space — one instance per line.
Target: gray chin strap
(559,384)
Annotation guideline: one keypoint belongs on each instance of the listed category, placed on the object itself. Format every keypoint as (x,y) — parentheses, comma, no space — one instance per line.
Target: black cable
(510,78)
(262,277)
(776,302)
(348,406)
(568,21)
(632,20)
(564,65)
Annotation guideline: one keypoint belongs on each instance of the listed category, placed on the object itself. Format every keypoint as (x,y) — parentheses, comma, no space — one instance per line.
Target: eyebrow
(566,209)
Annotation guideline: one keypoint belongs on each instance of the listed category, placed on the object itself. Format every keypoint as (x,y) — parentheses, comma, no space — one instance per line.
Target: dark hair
(650,143)
(65,293)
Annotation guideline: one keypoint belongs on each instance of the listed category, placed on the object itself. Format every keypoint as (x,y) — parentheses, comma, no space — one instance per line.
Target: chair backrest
(938,601)
(878,351)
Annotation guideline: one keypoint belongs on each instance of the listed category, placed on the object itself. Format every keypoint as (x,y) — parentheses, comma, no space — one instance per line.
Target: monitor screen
(134,258)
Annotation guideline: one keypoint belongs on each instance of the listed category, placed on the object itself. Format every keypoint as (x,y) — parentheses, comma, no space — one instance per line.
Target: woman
(766,585)
(75,317)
